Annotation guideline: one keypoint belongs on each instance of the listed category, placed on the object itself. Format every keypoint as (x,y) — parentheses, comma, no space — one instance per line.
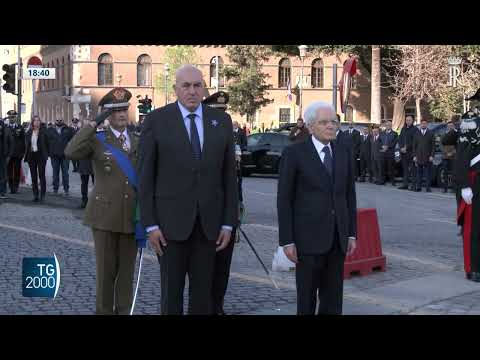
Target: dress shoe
(35,199)
(83,205)
(468,276)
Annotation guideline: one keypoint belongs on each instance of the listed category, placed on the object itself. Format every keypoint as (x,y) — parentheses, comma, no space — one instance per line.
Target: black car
(264,151)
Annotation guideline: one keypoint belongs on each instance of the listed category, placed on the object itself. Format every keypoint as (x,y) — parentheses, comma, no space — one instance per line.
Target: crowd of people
(39,145)
(373,152)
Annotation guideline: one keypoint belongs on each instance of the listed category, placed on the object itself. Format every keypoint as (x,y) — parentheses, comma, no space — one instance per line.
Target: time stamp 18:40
(39,73)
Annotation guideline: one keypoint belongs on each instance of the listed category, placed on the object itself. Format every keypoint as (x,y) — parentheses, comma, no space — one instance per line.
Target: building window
(213,72)
(284,115)
(105,69)
(284,73)
(144,70)
(349,114)
(317,73)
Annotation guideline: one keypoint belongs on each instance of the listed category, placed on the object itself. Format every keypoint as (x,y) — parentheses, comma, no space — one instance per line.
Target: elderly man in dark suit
(423,149)
(317,212)
(188,192)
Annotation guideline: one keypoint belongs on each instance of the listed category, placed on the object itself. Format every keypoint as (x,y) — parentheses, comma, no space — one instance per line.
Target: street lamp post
(303,50)
(165,67)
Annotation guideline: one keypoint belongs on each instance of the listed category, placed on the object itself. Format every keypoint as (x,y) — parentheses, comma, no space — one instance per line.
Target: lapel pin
(214,122)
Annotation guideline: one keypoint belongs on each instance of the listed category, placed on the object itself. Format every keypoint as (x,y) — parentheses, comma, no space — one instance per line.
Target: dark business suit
(405,140)
(365,154)
(188,199)
(423,149)
(377,160)
(317,213)
(355,140)
(37,160)
(389,139)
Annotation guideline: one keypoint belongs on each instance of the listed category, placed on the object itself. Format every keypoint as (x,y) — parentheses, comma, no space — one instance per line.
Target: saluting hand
(157,240)
(223,239)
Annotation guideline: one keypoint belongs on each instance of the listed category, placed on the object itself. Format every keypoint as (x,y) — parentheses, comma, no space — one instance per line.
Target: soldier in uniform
(15,164)
(111,209)
(223,258)
(75,128)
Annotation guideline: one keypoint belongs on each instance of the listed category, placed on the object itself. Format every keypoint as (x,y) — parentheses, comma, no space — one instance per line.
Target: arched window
(105,69)
(317,73)
(144,70)
(349,114)
(213,72)
(284,73)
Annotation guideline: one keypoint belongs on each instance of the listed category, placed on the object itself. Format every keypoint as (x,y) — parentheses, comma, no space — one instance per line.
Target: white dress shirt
(199,124)
(125,133)
(319,146)
(34,141)
(198,121)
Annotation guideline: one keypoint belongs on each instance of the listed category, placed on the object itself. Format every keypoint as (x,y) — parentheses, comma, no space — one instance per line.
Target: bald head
(189,86)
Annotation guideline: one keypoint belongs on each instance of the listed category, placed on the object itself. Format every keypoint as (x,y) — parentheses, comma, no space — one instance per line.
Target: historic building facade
(86,72)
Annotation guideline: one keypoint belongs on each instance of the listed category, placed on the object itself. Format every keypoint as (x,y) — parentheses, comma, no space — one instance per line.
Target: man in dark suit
(317,212)
(365,154)
(405,141)
(188,191)
(388,140)
(423,148)
(15,163)
(354,139)
(58,138)
(377,157)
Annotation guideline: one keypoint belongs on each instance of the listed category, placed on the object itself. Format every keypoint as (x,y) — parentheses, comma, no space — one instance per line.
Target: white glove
(467,195)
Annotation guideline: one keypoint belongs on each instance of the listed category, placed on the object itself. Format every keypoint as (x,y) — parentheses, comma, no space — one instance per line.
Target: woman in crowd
(36,155)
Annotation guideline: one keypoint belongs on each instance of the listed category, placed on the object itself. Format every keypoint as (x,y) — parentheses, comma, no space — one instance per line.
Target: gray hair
(311,111)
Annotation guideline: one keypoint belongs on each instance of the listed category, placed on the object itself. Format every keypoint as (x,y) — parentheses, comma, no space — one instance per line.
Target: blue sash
(128,170)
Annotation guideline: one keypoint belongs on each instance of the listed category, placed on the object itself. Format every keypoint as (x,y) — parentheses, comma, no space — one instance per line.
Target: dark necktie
(194,138)
(123,142)
(327,160)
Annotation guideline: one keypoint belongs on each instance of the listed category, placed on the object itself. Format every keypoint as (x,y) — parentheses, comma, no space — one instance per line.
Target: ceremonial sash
(128,170)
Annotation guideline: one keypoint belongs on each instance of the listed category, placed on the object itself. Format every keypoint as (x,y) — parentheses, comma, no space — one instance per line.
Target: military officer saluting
(111,207)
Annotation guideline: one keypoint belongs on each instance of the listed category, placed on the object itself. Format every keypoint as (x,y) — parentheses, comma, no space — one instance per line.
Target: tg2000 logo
(40,277)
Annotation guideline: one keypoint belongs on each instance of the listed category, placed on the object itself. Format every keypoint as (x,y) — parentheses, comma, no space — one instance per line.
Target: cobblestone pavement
(418,237)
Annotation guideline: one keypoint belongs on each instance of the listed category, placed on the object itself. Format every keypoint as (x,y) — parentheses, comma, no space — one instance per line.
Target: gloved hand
(467,195)
(102,116)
